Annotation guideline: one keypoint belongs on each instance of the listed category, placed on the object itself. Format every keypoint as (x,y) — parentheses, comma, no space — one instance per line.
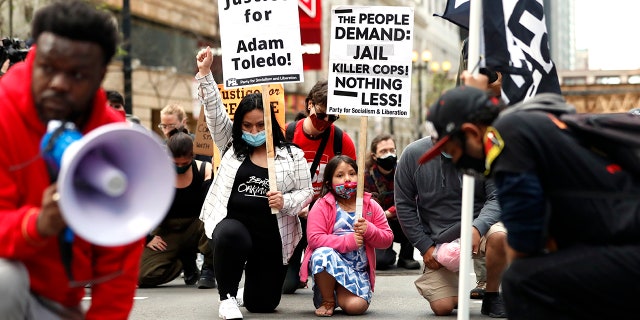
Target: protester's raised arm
(216,116)
(204,59)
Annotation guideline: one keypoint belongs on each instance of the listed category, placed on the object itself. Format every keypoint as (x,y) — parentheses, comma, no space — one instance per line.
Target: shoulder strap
(291,128)
(337,140)
(316,160)
(337,144)
(548,102)
(382,188)
(289,150)
(226,148)
(203,167)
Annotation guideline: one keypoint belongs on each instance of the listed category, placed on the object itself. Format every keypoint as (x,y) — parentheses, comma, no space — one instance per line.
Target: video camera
(13,49)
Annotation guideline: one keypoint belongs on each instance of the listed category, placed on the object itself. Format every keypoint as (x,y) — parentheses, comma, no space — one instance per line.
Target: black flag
(517,44)
(457,12)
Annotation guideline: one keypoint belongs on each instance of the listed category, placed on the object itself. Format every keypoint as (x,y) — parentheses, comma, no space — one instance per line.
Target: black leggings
(233,245)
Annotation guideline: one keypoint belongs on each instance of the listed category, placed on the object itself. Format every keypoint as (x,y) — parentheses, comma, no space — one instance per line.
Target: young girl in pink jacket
(341,251)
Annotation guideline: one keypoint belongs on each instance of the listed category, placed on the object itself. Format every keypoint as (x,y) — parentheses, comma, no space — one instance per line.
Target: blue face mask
(346,190)
(446,155)
(254,140)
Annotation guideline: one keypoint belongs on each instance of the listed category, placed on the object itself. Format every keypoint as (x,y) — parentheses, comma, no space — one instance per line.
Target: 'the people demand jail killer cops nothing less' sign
(260,42)
(370,61)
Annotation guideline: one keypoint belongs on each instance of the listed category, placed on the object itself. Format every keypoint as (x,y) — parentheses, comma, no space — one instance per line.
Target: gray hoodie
(429,198)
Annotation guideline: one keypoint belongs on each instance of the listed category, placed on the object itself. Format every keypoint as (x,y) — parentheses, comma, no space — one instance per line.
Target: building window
(608,80)
(158,46)
(634,79)
(574,81)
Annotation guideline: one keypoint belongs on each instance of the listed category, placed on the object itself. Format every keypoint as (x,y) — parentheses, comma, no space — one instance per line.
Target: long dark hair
(249,103)
(330,169)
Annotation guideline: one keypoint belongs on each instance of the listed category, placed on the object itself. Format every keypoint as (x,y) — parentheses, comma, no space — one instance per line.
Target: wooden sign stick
(271,164)
(362,149)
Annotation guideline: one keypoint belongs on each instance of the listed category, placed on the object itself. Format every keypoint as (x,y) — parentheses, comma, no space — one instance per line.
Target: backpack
(337,136)
(337,144)
(615,136)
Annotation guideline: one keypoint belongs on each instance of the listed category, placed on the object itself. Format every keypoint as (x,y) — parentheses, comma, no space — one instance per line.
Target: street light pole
(126,60)
(420,65)
(420,102)
(440,73)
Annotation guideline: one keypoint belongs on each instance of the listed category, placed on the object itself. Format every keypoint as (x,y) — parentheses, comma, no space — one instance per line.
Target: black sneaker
(191,278)
(207,279)
(493,306)
(190,271)
(408,264)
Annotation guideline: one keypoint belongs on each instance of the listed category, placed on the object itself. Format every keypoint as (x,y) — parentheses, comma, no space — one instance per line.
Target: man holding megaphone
(60,80)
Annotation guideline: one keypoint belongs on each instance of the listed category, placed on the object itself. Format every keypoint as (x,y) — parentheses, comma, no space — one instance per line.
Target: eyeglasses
(323,115)
(167,126)
(385,151)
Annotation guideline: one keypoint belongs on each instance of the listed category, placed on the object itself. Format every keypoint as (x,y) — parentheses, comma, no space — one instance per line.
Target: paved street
(395,298)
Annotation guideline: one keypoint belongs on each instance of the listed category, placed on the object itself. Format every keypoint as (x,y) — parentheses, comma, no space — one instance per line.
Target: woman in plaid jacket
(237,210)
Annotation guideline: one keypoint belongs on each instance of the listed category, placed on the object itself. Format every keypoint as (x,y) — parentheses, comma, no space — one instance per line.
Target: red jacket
(23,178)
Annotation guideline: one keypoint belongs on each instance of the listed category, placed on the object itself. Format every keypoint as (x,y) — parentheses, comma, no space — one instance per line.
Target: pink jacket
(320,224)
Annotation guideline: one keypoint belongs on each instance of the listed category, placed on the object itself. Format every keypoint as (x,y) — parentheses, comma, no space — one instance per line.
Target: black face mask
(468,162)
(387,163)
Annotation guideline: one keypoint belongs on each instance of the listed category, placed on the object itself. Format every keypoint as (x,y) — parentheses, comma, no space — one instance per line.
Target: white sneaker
(240,297)
(229,309)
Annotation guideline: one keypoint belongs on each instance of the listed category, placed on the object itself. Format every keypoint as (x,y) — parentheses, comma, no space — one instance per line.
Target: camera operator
(4,67)
(12,52)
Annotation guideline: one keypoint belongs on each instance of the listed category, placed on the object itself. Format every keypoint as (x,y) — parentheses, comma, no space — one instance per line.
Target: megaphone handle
(65,242)
(68,235)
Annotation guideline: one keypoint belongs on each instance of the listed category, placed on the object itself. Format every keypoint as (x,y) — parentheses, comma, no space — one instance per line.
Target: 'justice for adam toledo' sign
(260,42)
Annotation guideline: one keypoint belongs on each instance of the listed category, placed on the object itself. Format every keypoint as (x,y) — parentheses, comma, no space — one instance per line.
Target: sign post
(370,68)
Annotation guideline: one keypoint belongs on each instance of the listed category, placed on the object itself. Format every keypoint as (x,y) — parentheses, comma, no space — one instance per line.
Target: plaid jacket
(292,173)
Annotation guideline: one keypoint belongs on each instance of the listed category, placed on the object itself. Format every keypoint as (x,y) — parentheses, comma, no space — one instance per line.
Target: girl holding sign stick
(341,252)
(237,210)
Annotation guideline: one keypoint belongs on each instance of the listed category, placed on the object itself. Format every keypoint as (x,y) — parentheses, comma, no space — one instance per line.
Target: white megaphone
(115,184)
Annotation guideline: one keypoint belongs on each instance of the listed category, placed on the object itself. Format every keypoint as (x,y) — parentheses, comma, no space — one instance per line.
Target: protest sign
(204,144)
(231,98)
(260,42)
(370,61)
(369,68)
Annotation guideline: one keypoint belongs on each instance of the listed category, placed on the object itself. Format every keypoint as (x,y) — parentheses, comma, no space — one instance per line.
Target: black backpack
(337,143)
(615,136)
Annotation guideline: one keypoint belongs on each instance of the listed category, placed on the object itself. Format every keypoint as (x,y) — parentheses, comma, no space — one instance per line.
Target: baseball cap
(453,108)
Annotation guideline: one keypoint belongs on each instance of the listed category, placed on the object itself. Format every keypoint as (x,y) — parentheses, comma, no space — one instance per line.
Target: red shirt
(23,178)
(310,148)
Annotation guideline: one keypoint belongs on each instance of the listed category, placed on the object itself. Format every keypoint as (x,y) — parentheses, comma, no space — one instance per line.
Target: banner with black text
(517,44)
(260,42)
(370,61)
